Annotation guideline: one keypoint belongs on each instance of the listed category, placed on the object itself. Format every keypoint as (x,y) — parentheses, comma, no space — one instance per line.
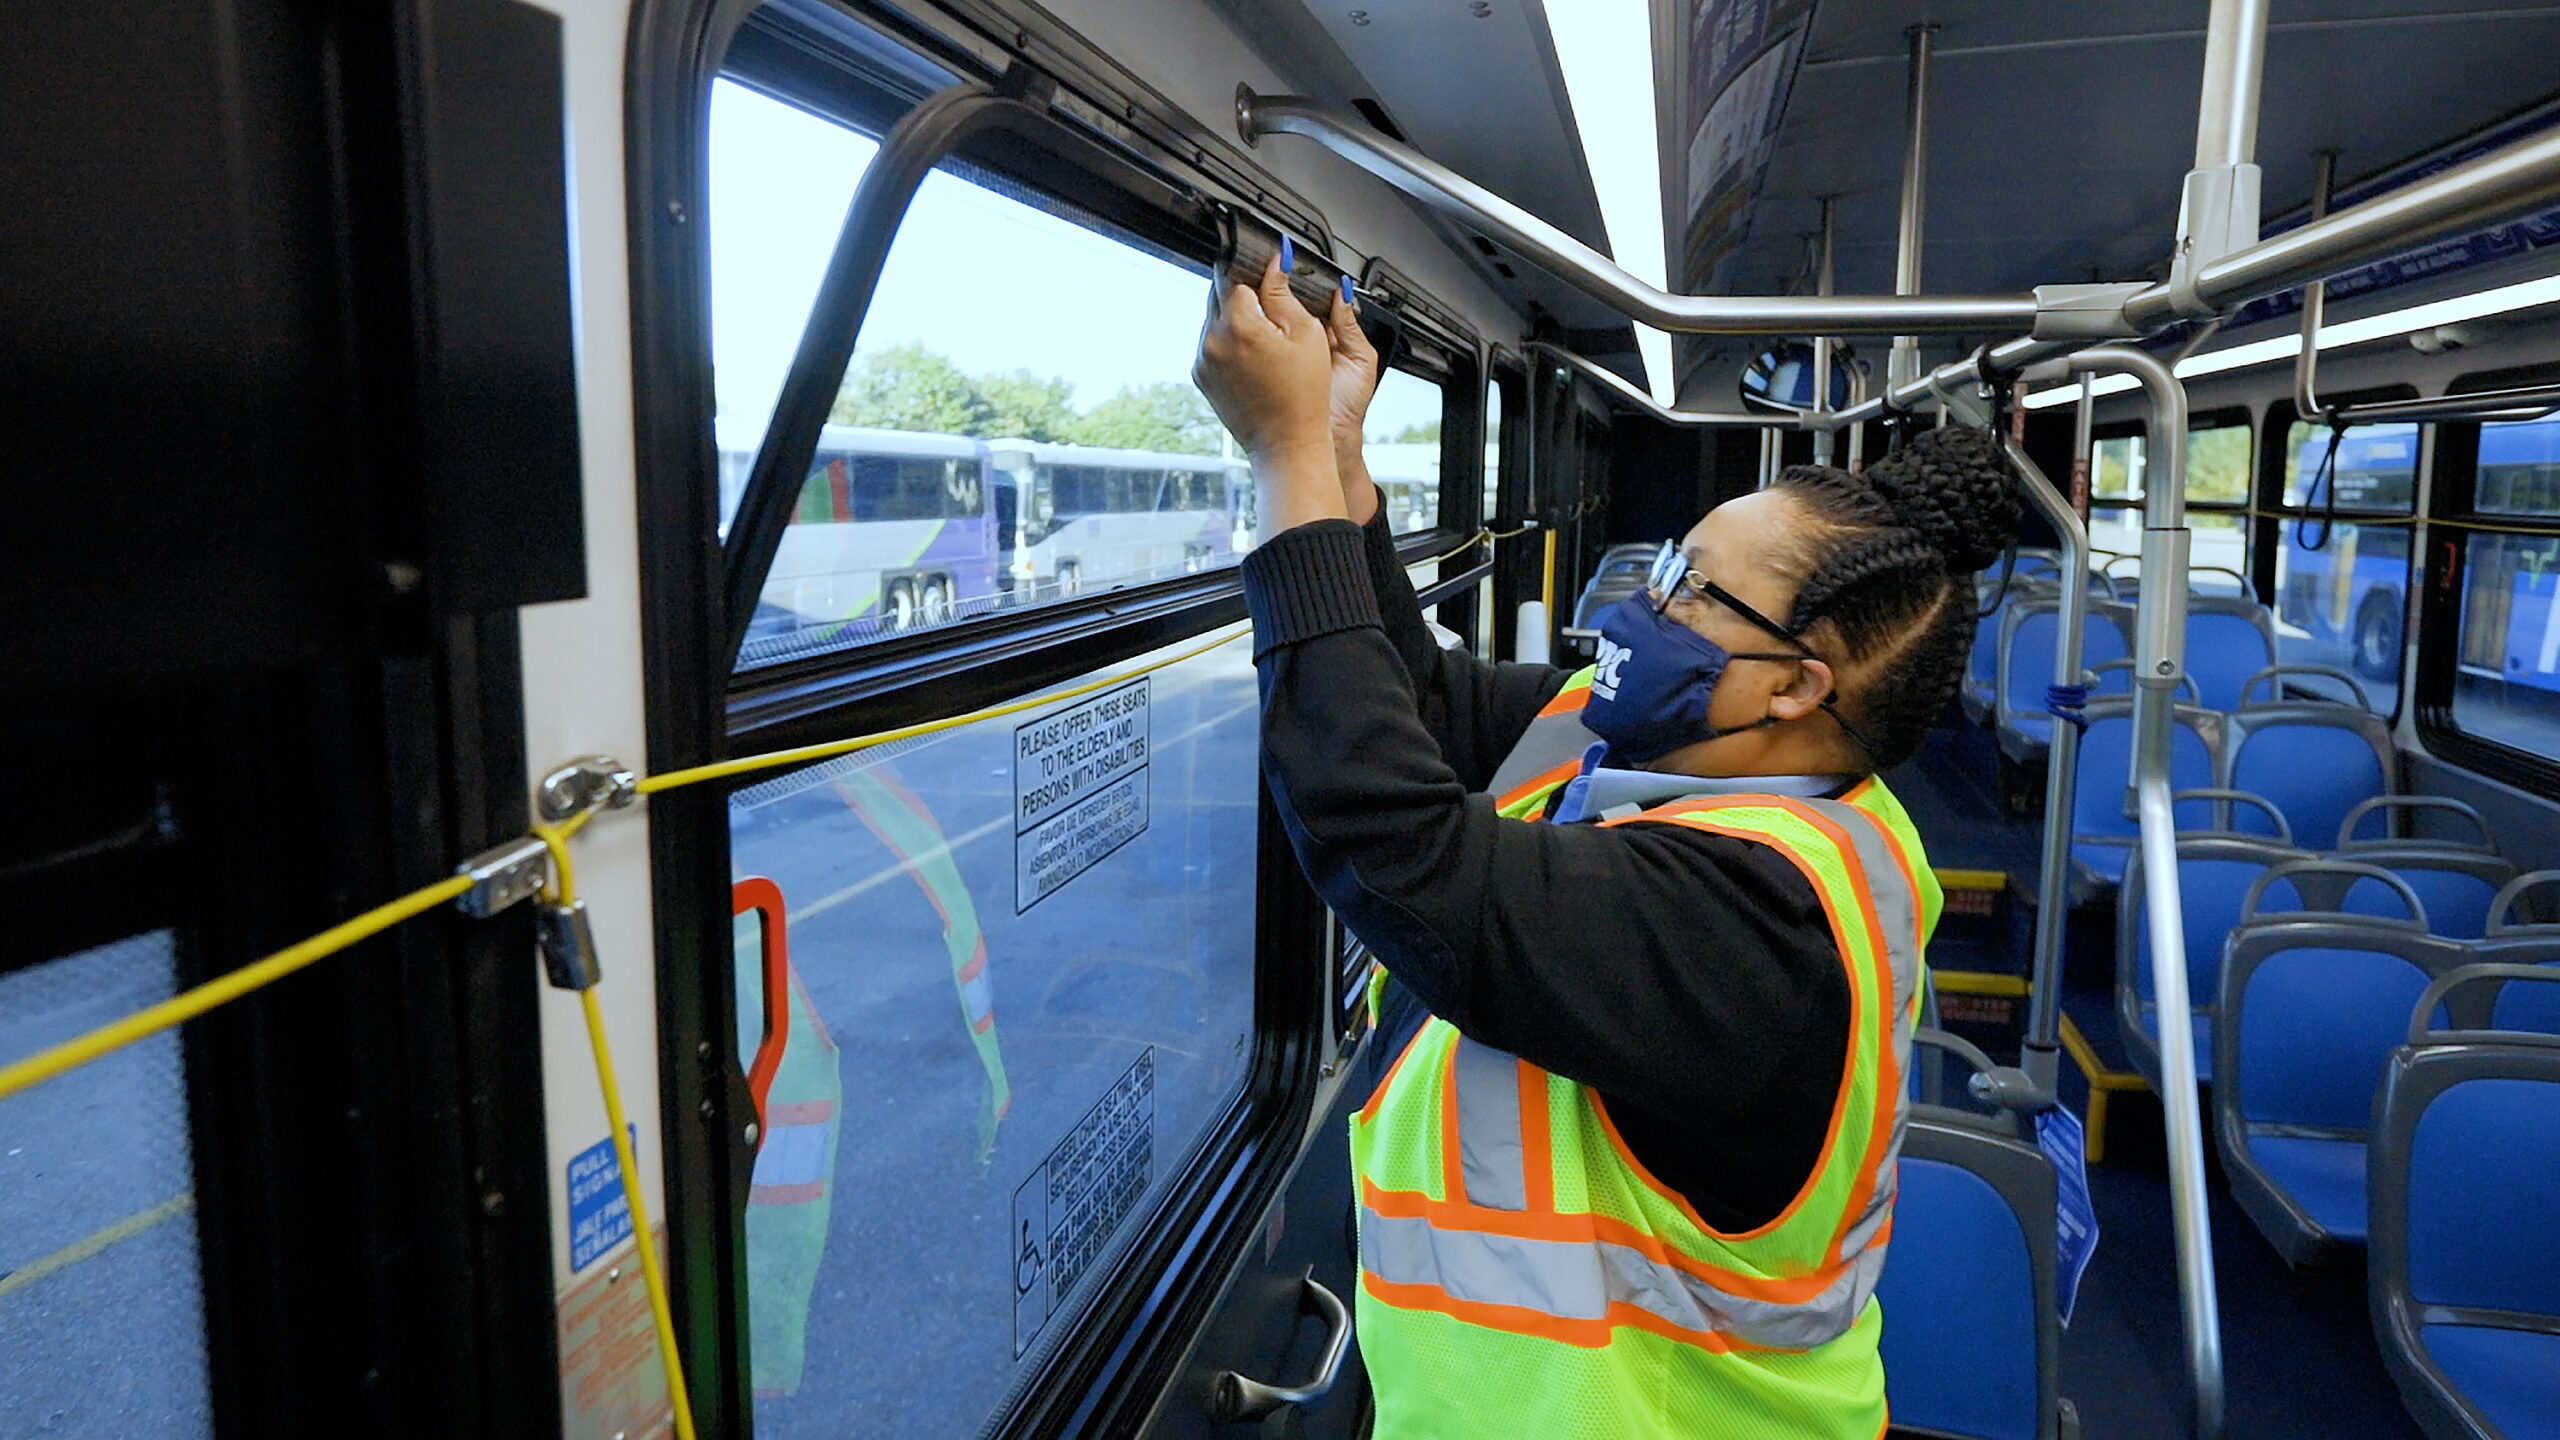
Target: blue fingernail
(1347,297)
(1288,255)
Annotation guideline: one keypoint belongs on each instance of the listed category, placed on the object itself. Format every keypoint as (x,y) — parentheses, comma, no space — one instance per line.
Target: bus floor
(2299,1358)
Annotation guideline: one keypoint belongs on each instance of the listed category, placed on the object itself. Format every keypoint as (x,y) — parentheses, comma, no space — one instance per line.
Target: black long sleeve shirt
(1691,979)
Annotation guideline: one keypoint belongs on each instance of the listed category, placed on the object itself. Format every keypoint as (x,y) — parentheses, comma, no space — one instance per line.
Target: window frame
(2450,521)
(2270,511)
(1113,1367)
(2220,418)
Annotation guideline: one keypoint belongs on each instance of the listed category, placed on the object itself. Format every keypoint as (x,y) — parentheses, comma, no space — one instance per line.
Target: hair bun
(1951,485)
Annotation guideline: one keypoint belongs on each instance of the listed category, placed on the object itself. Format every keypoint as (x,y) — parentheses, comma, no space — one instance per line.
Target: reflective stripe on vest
(1499,1194)
(1547,754)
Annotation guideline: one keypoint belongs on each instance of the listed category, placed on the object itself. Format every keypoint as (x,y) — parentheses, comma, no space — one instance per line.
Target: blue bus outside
(2510,612)
(2343,603)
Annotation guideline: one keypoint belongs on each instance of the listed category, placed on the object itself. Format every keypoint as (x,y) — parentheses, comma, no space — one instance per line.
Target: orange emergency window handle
(762,896)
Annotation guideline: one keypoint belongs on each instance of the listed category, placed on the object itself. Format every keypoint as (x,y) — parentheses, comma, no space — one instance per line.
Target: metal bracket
(2011,1089)
(2086,312)
(568,944)
(2217,215)
(587,783)
(501,876)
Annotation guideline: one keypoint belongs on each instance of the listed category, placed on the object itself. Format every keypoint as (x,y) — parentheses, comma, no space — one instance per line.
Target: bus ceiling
(1848,69)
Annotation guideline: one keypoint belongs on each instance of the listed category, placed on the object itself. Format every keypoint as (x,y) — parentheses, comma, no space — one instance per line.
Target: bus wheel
(902,606)
(937,601)
(1070,579)
(2378,637)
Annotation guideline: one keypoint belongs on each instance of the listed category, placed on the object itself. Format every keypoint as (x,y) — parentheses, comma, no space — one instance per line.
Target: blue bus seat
(1972,1333)
(2464,1270)
(2314,758)
(2311,1008)
(2511,941)
(2027,638)
(2230,638)
(2458,879)
(2217,874)
(2103,829)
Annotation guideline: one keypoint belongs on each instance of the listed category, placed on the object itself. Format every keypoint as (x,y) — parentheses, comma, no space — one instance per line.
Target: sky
(988,281)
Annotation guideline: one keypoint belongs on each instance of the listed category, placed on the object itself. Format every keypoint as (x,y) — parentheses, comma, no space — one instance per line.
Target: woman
(1635,1176)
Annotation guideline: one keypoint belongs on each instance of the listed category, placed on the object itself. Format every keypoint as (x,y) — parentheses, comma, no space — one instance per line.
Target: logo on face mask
(1604,680)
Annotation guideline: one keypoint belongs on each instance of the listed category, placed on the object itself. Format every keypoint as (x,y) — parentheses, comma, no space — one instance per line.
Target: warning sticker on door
(611,1381)
(1066,1212)
(1080,789)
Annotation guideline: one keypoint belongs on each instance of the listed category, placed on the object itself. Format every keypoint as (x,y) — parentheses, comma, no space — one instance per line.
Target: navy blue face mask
(1656,676)
(1655,680)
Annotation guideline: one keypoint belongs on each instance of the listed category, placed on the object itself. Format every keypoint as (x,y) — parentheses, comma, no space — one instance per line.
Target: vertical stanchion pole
(2084,444)
(1857,432)
(2160,620)
(1904,365)
(1823,438)
(2039,1052)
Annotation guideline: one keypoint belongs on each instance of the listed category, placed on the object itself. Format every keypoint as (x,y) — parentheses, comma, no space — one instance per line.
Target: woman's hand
(1266,367)
(1355,379)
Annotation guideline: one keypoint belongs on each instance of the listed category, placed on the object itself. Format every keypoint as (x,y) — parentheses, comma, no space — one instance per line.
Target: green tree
(1022,405)
(909,387)
(1424,434)
(1167,415)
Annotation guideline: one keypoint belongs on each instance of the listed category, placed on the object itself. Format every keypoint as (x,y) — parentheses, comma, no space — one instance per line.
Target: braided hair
(1888,566)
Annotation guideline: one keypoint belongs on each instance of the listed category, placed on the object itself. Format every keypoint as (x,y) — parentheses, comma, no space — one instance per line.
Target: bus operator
(1635,1176)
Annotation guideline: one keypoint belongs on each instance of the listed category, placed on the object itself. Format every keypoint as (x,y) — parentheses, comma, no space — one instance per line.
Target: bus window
(2217,500)
(101,1299)
(1018,993)
(1492,454)
(2506,683)
(968,379)
(1403,448)
(780,179)
(2342,588)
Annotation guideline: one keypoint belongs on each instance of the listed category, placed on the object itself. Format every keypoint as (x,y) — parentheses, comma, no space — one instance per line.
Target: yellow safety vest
(1523,1275)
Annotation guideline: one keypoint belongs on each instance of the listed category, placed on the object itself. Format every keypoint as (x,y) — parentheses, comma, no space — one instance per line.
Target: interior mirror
(1781,378)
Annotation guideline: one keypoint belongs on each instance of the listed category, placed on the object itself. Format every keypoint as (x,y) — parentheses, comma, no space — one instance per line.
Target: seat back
(2465,1158)
(2315,759)
(2216,875)
(2230,638)
(1972,1338)
(2030,629)
(2511,941)
(2102,806)
(2311,1007)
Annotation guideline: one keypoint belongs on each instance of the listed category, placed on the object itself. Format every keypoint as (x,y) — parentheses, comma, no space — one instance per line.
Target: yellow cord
(180,1008)
(177,1010)
(652,784)
(555,838)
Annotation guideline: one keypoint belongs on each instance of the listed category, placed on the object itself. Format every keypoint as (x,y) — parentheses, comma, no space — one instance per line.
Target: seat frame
(2433,1062)
(1990,1147)
(2142,1050)
(2302,1240)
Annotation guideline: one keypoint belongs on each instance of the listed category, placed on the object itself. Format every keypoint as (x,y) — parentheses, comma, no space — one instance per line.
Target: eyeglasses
(1672,573)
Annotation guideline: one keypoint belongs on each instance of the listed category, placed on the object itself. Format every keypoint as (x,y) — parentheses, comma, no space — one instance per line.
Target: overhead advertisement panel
(1743,56)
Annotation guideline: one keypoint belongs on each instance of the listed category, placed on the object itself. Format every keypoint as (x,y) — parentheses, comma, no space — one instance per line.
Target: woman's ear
(1804,692)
